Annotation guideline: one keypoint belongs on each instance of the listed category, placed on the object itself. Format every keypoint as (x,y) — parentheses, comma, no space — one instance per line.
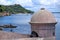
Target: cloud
(21,2)
(36,2)
(5,2)
(48,2)
(24,2)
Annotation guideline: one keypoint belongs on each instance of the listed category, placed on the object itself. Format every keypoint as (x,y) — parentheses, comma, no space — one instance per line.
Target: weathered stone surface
(53,38)
(43,16)
(10,35)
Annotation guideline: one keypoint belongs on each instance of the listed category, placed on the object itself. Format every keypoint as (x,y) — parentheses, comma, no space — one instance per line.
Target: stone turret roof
(43,16)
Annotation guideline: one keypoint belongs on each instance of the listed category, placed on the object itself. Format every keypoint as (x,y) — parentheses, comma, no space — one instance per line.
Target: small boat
(8,26)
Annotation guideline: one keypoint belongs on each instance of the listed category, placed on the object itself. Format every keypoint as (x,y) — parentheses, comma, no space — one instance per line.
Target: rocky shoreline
(4,14)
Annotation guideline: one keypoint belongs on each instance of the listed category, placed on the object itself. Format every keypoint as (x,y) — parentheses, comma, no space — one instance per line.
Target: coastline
(8,14)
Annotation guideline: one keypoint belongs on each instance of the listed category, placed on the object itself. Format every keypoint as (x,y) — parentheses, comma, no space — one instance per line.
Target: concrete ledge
(31,39)
(10,35)
(15,36)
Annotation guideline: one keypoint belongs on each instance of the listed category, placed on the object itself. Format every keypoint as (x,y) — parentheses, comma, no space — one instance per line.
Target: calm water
(22,23)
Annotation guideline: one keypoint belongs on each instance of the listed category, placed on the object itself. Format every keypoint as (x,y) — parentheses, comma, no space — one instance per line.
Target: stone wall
(43,30)
(16,36)
(11,35)
(51,38)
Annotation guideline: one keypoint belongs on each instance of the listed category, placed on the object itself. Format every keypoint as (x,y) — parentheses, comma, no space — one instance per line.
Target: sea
(22,20)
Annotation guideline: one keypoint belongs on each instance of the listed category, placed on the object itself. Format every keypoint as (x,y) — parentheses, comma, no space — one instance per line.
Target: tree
(2,8)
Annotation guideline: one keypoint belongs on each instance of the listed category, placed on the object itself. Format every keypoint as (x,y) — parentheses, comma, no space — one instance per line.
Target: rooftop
(43,16)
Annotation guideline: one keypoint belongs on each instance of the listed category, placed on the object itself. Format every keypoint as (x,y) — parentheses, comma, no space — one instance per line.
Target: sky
(33,4)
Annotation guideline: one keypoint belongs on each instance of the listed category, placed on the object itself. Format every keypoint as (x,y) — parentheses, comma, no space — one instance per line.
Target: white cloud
(5,2)
(48,2)
(21,2)
(24,2)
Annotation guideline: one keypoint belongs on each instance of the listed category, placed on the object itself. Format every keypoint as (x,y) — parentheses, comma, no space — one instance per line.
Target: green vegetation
(14,9)
(2,8)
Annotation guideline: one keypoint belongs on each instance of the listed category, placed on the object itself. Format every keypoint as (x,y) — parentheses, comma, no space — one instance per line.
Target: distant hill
(14,9)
